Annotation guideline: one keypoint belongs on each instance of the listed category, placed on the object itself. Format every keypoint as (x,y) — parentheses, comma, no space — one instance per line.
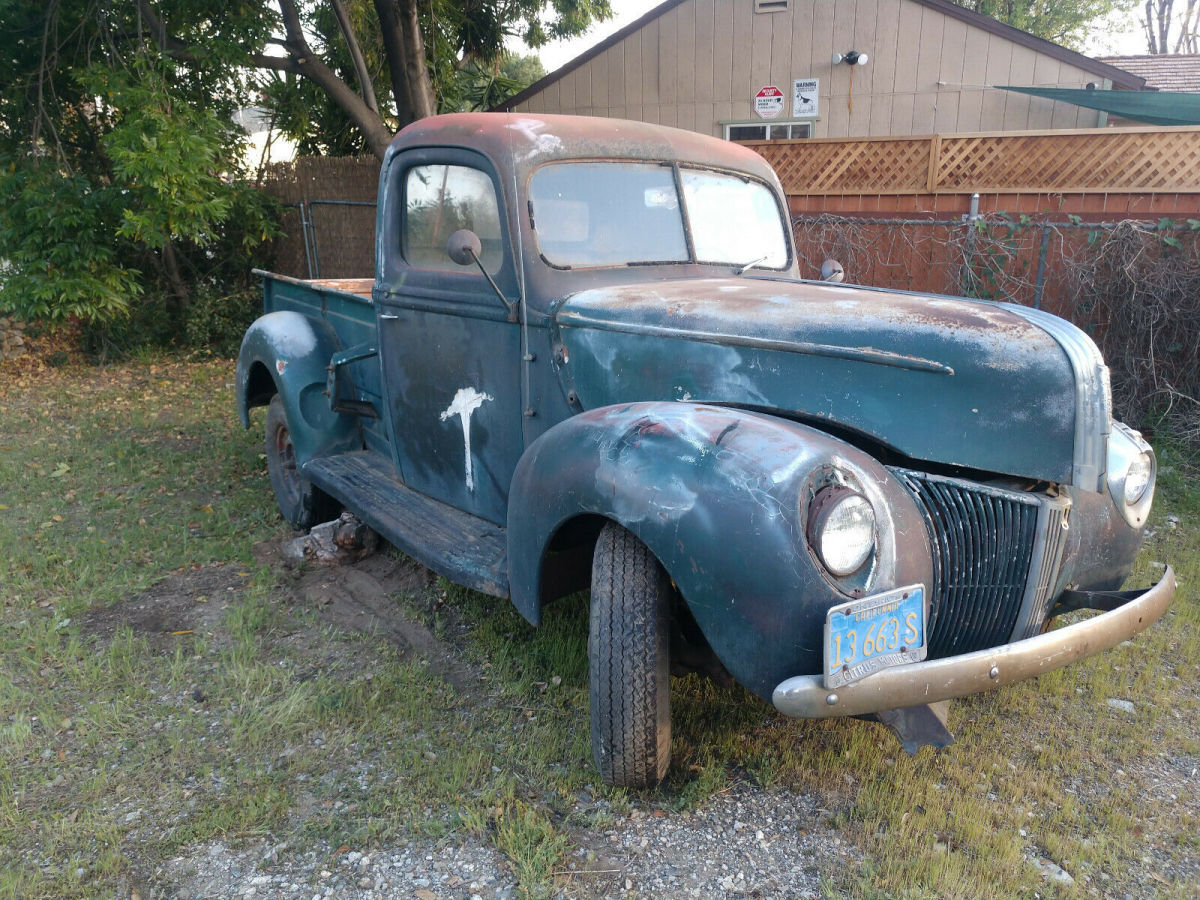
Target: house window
(767,131)
(770,6)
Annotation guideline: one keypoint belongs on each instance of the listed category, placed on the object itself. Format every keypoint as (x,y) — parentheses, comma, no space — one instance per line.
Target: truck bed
(359,286)
(345,305)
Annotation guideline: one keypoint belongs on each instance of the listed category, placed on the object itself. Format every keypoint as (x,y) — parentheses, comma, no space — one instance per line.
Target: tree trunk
(405,50)
(175,278)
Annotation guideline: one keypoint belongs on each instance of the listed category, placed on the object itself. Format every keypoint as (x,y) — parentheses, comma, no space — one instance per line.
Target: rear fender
(288,353)
(720,497)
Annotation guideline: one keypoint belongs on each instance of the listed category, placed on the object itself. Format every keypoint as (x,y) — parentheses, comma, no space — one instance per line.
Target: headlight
(1131,471)
(841,529)
(1137,477)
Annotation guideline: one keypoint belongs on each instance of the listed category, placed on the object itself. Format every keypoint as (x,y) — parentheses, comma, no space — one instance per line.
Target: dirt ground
(745,842)
(359,597)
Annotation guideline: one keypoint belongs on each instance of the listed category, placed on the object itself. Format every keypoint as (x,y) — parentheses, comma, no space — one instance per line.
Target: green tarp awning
(1155,107)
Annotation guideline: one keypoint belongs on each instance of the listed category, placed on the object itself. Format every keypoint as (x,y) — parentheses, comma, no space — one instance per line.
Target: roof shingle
(1166,72)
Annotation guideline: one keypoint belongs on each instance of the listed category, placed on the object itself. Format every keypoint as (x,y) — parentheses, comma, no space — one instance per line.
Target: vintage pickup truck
(587,358)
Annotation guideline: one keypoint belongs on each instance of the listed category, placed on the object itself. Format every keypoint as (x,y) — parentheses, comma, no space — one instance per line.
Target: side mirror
(464,247)
(831,270)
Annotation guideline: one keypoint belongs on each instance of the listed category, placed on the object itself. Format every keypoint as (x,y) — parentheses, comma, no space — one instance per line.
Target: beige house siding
(698,64)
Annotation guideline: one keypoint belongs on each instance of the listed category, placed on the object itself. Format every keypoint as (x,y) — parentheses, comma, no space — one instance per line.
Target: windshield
(733,220)
(627,213)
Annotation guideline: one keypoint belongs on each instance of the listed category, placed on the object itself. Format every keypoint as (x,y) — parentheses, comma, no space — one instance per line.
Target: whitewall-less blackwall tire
(628,661)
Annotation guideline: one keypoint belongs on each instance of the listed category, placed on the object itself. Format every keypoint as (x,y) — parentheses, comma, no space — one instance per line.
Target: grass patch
(158,689)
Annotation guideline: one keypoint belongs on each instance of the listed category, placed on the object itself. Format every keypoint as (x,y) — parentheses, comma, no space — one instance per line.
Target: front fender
(719,495)
(288,353)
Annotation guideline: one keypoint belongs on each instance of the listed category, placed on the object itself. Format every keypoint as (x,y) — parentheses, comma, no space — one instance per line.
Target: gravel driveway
(746,843)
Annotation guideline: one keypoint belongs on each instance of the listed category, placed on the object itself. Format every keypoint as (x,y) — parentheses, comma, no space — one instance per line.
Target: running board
(466,549)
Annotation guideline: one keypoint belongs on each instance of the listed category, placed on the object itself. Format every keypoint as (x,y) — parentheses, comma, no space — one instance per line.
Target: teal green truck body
(626,339)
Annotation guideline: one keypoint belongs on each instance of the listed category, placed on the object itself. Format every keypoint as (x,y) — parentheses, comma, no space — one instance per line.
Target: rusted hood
(939,379)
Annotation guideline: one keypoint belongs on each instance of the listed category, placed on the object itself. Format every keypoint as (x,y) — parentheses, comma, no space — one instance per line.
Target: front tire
(300,503)
(628,661)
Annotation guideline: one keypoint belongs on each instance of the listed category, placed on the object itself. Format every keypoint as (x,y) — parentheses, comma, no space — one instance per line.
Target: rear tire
(628,661)
(300,503)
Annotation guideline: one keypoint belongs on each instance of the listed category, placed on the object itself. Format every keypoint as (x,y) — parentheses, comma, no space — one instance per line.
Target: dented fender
(720,496)
(288,353)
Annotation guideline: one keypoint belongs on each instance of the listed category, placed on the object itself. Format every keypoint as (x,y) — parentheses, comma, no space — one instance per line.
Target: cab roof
(522,141)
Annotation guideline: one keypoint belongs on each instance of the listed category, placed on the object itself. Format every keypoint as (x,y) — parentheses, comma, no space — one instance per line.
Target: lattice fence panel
(1133,160)
(848,167)
(1109,160)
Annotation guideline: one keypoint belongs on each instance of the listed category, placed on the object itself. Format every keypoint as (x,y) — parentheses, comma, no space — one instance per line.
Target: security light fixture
(850,58)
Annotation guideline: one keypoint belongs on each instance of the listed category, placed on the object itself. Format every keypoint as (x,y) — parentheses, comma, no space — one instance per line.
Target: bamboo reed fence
(329,215)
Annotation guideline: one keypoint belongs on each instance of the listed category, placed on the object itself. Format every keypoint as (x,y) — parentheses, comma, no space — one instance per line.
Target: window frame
(397,275)
(790,124)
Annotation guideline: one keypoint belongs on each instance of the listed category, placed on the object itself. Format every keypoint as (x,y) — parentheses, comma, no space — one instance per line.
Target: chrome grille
(983,543)
(1047,565)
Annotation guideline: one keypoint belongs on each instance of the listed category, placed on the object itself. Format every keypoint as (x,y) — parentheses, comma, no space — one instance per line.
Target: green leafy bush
(56,231)
(216,321)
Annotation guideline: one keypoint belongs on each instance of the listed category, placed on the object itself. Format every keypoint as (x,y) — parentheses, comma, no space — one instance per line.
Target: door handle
(388,317)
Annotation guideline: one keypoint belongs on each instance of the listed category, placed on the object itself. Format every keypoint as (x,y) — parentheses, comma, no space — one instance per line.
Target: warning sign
(768,102)
(804,97)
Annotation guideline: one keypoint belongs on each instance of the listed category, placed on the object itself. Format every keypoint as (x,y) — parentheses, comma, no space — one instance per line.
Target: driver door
(451,358)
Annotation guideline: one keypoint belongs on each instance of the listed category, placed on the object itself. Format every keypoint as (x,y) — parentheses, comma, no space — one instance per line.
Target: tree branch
(154,23)
(278,63)
(312,67)
(1186,42)
(302,60)
(468,57)
(366,88)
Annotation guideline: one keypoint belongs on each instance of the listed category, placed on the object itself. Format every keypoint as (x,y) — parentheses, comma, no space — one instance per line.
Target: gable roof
(1119,77)
(1166,72)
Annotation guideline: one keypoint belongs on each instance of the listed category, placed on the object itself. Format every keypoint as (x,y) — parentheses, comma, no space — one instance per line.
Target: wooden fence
(1123,171)
(329,219)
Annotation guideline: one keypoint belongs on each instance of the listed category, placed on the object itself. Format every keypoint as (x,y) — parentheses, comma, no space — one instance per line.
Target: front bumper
(806,696)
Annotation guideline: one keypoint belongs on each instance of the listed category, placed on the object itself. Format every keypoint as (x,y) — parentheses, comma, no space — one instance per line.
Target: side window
(438,201)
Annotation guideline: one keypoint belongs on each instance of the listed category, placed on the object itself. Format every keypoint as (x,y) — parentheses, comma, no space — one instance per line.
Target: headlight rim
(1125,447)
(822,506)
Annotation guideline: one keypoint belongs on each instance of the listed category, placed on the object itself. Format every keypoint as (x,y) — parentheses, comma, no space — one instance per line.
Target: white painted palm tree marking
(465,402)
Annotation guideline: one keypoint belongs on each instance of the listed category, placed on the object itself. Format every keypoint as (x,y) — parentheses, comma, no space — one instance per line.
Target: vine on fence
(1133,286)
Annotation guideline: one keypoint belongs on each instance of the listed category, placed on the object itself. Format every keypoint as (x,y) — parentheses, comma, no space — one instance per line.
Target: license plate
(864,636)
